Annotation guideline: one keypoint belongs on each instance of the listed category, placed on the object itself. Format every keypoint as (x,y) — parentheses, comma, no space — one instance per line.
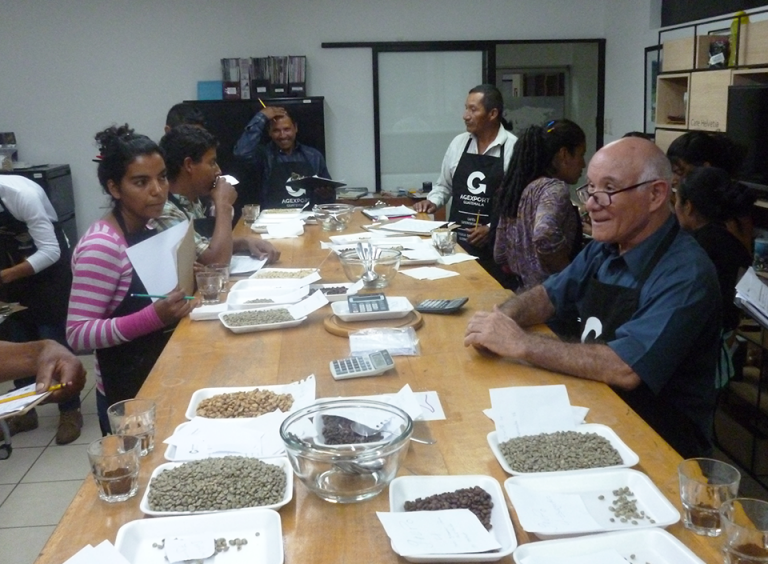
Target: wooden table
(204,354)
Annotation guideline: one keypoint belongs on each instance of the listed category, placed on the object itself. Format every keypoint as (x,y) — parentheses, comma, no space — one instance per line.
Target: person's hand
(271,112)
(425,206)
(259,248)
(56,363)
(495,332)
(223,194)
(479,235)
(174,307)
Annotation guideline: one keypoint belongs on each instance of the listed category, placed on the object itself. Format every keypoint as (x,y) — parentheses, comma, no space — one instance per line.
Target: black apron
(604,309)
(203,226)
(475,183)
(279,194)
(46,293)
(124,367)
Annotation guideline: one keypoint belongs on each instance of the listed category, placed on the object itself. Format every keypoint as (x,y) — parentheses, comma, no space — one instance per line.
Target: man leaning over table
(646,295)
(473,170)
(282,159)
(193,172)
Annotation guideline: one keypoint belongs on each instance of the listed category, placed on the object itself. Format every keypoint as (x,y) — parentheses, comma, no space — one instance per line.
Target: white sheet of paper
(179,549)
(19,404)
(429,403)
(422,226)
(428,273)
(101,553)
(231,179)
(424,252)
(607,556)
(242,264)
(451,531)
(579,414)
(315,301)
(456,258)
(155,259)
(390,211)
(284,229)
(203,437)
(207,312)
(529,410)
(551,512)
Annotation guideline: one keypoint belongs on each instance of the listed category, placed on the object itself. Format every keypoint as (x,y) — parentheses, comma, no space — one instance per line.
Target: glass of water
(134,417)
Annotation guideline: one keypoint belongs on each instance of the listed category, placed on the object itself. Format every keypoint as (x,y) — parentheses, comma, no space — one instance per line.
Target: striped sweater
(101,277)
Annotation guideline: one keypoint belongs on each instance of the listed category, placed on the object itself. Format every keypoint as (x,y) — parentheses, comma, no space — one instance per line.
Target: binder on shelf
(231,90)
(245,78)
(278,90)
(210,90)
(259,87)
(297,89)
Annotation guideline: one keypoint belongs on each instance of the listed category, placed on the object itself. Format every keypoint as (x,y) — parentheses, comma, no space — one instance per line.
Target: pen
(263,105)
(33,393)
(158,296)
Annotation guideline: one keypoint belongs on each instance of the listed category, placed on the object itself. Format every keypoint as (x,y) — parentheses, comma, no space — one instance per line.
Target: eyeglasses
(603,197)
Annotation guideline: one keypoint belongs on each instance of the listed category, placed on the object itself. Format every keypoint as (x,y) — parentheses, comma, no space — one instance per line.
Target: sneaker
(25,422)
(70,423)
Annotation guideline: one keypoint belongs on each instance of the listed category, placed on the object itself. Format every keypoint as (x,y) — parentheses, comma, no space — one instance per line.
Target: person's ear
(114,189)
(188,164)
(659,192)
(494,114)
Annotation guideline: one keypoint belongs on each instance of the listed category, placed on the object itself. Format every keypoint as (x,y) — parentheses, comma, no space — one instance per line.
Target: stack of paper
(752,295)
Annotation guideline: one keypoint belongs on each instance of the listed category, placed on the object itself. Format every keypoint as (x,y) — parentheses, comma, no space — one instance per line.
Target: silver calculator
(364,365)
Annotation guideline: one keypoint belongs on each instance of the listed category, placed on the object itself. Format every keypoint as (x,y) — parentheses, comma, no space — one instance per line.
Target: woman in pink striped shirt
(128,332)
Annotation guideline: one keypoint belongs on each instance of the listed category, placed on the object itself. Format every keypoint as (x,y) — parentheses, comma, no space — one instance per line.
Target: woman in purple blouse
(539,228)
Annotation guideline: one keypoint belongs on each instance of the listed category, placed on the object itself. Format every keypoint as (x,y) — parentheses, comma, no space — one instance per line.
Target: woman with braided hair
(539,228)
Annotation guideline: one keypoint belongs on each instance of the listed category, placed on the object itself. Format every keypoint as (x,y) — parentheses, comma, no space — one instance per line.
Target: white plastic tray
(656,546)
(589,485)
(628,456)
(335,297)
(237,299)
(398,307)
(277,461)
(134,539)
(299,400)
(408,488)
(260,327)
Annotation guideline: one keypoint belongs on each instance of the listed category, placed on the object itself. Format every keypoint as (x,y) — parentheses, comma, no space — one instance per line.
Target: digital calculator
(363,365)
(441,306)
(367,303)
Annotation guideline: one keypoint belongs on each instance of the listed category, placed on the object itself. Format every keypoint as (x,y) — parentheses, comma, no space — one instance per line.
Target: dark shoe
(25,422)
(70,423)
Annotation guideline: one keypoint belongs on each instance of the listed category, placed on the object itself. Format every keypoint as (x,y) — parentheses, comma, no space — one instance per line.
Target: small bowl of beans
(347,450)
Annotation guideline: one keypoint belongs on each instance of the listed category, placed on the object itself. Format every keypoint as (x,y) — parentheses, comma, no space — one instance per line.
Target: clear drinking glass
(134,417)
(209,283)
(705,484)
(251,213)
(745,523)
(115,466)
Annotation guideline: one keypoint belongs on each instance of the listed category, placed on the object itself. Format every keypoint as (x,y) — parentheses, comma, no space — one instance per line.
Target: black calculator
(441,306)
(367,303)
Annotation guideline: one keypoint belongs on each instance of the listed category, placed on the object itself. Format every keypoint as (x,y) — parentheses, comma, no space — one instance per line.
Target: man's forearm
(219,250)
(16,272)
(589,361)
(18,360)
(529,308)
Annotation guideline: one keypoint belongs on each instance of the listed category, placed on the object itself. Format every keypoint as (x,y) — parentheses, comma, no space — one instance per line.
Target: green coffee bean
(563,450)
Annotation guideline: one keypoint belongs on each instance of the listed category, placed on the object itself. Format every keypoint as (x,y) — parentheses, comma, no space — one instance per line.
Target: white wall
(72,67)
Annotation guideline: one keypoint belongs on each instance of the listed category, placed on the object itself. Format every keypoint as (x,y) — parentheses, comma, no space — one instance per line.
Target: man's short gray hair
(656,166)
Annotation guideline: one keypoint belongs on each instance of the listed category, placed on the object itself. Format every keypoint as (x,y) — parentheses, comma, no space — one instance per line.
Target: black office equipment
(748,126)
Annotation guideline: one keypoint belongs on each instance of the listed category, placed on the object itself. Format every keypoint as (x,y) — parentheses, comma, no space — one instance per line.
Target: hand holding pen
(56,363)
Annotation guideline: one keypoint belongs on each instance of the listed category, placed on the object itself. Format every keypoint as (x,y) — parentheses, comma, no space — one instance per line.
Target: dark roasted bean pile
(338,431)
(334,290)
(476,499)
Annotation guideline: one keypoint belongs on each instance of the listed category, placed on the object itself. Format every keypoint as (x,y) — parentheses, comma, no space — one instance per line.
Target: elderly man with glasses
(645,296)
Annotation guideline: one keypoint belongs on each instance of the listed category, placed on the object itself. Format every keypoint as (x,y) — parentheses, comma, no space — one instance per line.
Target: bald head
(637,175)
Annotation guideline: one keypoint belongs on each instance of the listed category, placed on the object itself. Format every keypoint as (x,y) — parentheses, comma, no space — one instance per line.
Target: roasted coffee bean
(338,431)
(244,404)
(476,499)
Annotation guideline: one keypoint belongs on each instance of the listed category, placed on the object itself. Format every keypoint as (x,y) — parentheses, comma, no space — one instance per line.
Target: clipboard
(312,182)
(34,401)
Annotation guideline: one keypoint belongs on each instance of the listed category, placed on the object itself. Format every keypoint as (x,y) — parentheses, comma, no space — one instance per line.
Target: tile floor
(40,479)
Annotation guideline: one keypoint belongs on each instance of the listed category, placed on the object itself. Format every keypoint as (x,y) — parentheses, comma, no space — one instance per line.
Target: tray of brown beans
(482,495)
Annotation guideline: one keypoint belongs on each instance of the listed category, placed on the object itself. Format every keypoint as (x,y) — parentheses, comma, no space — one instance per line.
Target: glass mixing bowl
(347,450)
(333,217)
(386,263)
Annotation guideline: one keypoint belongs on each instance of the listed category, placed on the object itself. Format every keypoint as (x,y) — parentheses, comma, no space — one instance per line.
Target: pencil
(263,105)
(158,296)
(477,220)
(34,393)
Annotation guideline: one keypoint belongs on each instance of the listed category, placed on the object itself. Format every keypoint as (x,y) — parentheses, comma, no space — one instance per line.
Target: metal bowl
(347,450)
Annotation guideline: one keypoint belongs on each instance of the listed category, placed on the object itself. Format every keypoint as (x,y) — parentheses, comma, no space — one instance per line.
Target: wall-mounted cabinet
(672,100)
(708,100)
